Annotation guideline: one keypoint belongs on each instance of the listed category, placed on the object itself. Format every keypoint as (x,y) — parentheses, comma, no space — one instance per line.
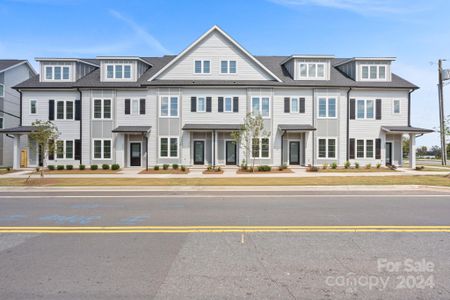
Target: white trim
(399,107)
(327,99)
(228,67)
(102,111)
(365,148)
(232,104)
(260,148)
(168,109)
(123,58)
(69,79)
(202,67)
(55,154)
(377,66)
(214,28)
(129,153)
(168,137)
(316,77)
(1,123)
(365,109)
(102,151)
(56,59)
(260,105)
(18,64)
(306,56)
(204,104)
(114,78)
(335,138)
(298,105)
(64,110)
(299,151)
(3,90)
(365,59)
(30,110)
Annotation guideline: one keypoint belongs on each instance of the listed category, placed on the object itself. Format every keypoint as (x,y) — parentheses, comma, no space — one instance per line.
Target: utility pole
(441,113)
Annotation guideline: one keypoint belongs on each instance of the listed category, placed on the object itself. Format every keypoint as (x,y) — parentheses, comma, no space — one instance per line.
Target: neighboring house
(12,72)
(138,111)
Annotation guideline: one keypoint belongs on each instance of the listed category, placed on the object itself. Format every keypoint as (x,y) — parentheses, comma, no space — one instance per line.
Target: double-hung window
(365,109)
(1,123)
(396,106)
(169,106)
(327,147)
(261,106)
(312,70)
(102,149)
(102,109)
(118,71)
(327,107)
(168,147)
(64,110)
(2,90)
(228,67)
(373,72)
(64,149)
(294,105)
(260,148)
(57,73)
(364,148)
(33,107)
(228,104)
(201,104)
(202,67)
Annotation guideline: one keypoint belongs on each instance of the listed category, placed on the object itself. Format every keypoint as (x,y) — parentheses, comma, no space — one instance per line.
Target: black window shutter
(220,105)
(287,104)
(142,106)
(352,109)
(352,149)
(127,106)
(378,149)
(302,105)
(77,149)
(51,110)
(193,104)
(77,110)
(378,109)
(51,151)
(235,104)
(208,104)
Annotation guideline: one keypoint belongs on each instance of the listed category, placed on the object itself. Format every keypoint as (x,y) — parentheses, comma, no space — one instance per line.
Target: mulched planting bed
(170,171)
(273,171)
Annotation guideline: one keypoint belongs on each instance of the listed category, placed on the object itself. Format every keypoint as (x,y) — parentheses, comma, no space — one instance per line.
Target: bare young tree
(43,133)
(252,129)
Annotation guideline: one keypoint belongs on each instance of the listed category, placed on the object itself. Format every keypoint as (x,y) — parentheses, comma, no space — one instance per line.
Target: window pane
(360,109)
(264,147)
(118,71)
(60,110)
(106,149)
(201,106)
(294,105)
(312,70)
(134,107)
(69,110)
(255,148)
(60,149)
(320,70)
(360,148)
(110,71)
(331,148)
(369,148)
(33,107)
(173,147)
(322,148)
(174,106)
(255,106)
(382,72)
(396,106)
(206,66)
(2,90)
(224,66)
(228,104)
(198,66)
(365,72)
(97,149)
(69,149)
(1,123)
(331,108)
(48,73)
(107,109)
(97,109)
(303,70)
(66,73)
(373,72)
(322,107)
(265,107)
(164,106)
(370,109)
(57,73)
(127,71)
(232,66)
(164,147)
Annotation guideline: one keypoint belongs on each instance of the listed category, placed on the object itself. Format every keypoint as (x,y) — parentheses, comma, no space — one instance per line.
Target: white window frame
(225,104)
(316,64)
(2,94)
(169,111)
(102,151)
(64,110)
(260,148)
(365,149)
(114,65)
(36,106)
(365,109)
(326,147)
(327,105)
(1,123)
(53,72)
(377,78)
(204,104)
(291,110)
(55,155)
(102,109)
(399,107)
(228,69)
(202,66)
(168,137)
(260,100)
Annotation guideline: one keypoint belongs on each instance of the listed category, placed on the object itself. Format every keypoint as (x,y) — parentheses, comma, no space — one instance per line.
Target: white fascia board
(124,58)
(18,64)
(49,59)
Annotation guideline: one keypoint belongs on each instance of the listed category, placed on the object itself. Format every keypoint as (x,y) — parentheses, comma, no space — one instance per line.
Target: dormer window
(118,71)
(57,73)
(202,67)
(373,72)
(312,71)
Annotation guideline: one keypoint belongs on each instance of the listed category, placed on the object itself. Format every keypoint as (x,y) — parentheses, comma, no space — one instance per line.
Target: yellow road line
(229,231)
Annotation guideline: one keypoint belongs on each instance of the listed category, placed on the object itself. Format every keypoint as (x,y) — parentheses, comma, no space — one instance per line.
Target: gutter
(81,124)
(282,143)
(314,126)
(348,123)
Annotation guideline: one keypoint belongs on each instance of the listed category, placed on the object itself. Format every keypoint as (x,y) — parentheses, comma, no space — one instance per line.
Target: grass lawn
(354,170)
(431,169)
(5,171)
(248,181)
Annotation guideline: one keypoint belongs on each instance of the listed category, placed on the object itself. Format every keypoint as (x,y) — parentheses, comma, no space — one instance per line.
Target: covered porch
(131,145)
(293,143)
(22,156)
(393,132)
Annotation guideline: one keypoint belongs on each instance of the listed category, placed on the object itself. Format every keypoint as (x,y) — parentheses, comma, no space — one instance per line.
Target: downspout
(348,123)
(146,150)
(214,149)
(409,107)
(313,124)
(282,152)
(81,125)
(20,103)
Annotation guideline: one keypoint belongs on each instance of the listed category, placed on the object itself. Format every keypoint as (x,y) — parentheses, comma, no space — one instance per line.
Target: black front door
(294,153)
(388,154)
(230,152)
(199,152)
(135,154)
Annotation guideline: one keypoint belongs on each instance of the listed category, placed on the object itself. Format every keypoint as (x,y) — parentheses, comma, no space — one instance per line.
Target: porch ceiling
(212,126)
(296,127)
(405,129)
(132,129)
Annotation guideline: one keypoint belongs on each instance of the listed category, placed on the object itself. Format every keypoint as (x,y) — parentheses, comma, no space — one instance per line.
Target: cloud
(363,7)
(145,36)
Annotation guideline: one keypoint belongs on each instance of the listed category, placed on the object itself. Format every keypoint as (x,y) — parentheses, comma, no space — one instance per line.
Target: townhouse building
(145,111)
(12,72)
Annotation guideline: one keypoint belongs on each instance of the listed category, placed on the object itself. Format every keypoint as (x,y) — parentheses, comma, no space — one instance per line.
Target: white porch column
(412,150)
(120,150)
(16,152)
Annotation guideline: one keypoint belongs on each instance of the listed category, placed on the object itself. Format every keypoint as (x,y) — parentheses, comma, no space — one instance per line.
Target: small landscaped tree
(253,128)
(44,134)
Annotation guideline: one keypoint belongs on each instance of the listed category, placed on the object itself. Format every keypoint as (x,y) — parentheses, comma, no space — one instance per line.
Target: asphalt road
(184,263)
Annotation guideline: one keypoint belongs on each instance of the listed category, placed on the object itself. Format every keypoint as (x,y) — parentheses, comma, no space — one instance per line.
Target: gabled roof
(7,64)
(89,61)
(200,39)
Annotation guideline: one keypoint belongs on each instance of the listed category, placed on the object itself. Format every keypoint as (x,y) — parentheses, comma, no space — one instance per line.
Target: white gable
(215,46)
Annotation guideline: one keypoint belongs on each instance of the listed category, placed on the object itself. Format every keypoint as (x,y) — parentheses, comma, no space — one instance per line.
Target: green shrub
(165,166)
(356,165)
(175,166)
(209,168)
(115,167)
(347,164)
(156,168)
(334,165)
(368,166)
(219,169)
(69,167)
(94,167)
(378,165)
(60,167)
(264,168)
(183,168)
(51,167)
(82,167)
(105,167)
(324,166)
